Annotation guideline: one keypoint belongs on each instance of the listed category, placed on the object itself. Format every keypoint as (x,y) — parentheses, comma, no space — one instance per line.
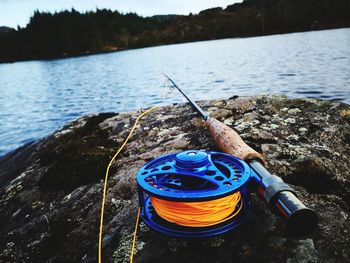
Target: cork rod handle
(230,142)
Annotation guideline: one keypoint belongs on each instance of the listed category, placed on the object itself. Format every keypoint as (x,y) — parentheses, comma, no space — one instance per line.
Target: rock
(294,111)
(302,129)
(51,190)
(304,252)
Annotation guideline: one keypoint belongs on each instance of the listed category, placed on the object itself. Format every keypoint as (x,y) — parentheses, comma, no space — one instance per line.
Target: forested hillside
(70,33)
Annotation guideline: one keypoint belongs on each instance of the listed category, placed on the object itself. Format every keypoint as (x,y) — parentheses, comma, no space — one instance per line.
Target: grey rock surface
(51,190)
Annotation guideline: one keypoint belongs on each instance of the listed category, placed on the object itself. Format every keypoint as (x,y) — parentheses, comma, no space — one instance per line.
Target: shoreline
(116,49)
(36,140)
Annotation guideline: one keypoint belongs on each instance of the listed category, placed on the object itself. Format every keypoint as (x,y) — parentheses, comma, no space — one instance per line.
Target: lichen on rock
(51,190)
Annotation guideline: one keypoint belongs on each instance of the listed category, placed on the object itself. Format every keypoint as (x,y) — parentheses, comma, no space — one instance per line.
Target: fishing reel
(195,177)
(189,184)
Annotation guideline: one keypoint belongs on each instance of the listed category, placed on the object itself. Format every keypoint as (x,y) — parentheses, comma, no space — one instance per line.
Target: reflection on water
(38,97)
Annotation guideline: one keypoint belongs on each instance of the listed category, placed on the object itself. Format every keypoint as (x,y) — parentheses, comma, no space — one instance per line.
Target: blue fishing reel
(193,176)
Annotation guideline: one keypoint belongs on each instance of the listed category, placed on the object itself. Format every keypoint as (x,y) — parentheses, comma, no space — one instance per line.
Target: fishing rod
(193,103)
(278,195)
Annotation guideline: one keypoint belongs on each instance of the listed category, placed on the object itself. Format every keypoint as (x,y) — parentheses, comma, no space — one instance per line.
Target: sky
(18,12)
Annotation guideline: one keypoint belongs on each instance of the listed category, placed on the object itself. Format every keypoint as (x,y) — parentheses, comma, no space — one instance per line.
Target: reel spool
(193,176)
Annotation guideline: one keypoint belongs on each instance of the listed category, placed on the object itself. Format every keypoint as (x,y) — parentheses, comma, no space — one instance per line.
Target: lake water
(38,97)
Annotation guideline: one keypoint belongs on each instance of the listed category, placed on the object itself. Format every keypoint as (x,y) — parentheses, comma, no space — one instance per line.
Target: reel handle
(281,198)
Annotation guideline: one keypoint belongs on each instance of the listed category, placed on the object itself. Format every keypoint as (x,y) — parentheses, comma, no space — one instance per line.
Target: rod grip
(230,142)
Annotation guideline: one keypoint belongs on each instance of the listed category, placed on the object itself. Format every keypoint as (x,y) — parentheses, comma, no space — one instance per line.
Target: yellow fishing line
(198,214)
(105,184)
(135,232)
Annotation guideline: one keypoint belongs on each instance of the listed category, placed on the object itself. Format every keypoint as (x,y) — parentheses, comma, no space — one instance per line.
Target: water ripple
(37,97)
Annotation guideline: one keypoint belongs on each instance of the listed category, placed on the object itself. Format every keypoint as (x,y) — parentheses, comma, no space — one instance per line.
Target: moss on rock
(50,208)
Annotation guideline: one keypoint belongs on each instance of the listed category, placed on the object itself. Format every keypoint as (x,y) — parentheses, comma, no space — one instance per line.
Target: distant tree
(70,32)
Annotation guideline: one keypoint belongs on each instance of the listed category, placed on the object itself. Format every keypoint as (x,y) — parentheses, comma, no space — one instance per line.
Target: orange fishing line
(199,214)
